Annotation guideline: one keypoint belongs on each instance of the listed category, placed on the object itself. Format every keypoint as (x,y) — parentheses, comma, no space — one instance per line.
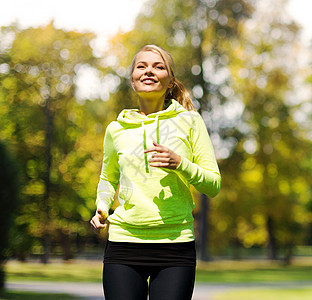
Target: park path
(93,291)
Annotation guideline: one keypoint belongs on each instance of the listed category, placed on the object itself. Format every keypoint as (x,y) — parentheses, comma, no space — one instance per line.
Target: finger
(155,144)
(160,164)
(103,213)
(161,154)
(99,230)
(156,149)
(160,159)
(152,149)
(96,222)
(103,228)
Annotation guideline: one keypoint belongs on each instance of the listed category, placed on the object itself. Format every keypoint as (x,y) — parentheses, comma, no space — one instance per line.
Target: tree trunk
(288,254)
(272,247)
(46,208)
(2,276)
(66,245)
(203,228)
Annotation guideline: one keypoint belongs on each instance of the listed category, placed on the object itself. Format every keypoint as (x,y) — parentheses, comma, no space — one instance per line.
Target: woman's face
(150,76)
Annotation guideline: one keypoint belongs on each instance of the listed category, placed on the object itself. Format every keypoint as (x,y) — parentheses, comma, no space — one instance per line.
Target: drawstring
(144,140)
(144,146)
(157,128)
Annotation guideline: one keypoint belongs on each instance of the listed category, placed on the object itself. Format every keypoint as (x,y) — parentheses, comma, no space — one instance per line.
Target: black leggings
(125,282)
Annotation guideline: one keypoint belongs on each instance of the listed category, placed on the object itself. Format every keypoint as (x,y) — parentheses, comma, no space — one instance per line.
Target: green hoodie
(155,203)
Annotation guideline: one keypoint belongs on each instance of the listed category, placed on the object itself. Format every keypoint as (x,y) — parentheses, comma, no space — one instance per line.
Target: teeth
(149,80)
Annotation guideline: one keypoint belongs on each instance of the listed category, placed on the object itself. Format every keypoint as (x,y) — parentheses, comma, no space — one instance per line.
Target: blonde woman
(153,154)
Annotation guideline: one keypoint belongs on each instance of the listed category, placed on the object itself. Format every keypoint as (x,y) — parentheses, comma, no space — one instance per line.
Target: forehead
(149,56)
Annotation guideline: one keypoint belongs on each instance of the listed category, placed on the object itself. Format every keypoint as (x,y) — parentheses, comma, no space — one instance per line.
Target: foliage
(57,140)
(231,56)
(266,190)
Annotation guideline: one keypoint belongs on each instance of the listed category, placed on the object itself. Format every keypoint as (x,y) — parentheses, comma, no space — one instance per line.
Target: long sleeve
(109,176)
(203,172)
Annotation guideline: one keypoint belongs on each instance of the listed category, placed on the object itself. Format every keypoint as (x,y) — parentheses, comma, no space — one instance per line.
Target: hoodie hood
(131,118)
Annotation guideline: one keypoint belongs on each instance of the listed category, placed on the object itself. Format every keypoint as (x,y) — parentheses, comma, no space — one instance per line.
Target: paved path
(93,291)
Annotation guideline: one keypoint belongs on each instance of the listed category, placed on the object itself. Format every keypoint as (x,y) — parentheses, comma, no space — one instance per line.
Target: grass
(211,272)
(35,296)
(253,271)
(285,294)
(75,271)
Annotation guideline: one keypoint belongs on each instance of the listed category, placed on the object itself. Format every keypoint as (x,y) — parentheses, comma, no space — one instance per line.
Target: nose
(149,70)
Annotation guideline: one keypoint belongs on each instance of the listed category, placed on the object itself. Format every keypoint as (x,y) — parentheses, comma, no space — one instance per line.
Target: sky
(105,17)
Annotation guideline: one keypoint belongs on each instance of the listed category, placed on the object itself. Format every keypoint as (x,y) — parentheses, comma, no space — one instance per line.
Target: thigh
(122,282)
(172,283)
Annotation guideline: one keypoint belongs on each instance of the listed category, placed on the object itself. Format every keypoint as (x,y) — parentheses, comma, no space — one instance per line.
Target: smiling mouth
(149,80)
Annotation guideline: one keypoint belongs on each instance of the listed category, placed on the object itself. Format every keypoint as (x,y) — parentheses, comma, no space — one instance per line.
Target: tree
(9,202)
(268,182)
(51,132)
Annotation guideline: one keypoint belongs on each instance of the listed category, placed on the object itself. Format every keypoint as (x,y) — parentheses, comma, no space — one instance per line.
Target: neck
(149,106)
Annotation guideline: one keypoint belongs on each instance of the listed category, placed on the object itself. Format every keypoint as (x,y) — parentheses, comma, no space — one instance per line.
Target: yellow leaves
(273,122)
(89,172)
(9,83)
(298,186)
(249,234)
(249,163)
(300,215)
(252,173)
(222,225)
(85,213)
(35,140)
(63,168)
(272,170)
(284,187)
(34,187)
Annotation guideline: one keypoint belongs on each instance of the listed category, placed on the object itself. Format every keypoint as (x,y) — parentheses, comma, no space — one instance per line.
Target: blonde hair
(177,90)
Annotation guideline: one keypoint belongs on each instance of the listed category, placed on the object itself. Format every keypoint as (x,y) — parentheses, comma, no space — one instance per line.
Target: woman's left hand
(163,157)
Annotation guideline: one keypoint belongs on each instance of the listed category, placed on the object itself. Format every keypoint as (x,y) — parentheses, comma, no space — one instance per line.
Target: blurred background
(64,75)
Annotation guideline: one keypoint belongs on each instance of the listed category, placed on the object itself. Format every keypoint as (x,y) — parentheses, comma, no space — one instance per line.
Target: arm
(108,183)
(203,172)
(109,177)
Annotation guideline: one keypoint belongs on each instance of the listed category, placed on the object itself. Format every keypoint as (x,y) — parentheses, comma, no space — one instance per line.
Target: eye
(160,67)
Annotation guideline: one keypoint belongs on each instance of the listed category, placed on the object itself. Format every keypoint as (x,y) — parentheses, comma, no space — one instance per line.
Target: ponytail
(180,94)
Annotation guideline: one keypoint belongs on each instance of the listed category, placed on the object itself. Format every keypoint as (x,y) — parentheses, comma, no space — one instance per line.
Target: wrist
(179,161)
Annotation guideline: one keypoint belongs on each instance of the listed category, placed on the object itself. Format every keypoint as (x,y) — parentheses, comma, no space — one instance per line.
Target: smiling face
(150,76)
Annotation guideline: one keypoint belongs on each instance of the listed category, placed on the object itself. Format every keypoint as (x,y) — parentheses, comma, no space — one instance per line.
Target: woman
(153,154)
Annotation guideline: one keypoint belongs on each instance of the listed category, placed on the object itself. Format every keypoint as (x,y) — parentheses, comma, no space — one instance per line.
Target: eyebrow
(144,62)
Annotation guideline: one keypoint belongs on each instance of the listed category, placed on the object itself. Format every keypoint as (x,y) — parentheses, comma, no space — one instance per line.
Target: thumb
(102,213)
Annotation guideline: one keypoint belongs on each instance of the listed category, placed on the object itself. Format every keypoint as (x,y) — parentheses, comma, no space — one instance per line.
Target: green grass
(35,296)
(253,271)
(76,271)
(219,271)
(276,294)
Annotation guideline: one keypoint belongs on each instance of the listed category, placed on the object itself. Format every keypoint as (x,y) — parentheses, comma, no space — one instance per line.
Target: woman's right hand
(99,220)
